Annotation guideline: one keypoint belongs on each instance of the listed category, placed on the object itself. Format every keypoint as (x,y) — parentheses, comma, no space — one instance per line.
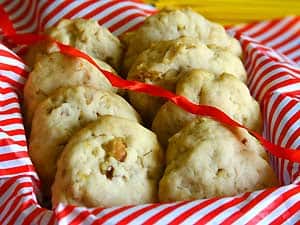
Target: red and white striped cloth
(272,58)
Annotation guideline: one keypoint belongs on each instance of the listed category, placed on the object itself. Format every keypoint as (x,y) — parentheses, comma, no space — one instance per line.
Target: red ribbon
(203,110)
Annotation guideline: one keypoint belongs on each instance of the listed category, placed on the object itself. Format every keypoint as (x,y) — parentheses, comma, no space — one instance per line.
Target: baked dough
(56,70)
(89,37)
(111,162)
(224,92)
(207,159)
(162,63)
(61,115)
(172,24)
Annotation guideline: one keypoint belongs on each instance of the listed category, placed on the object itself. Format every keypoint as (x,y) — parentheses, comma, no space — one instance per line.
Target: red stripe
(54,12)
(23,15)
(15,9)
(279,118)
(275,204)
(9,101)
(12,82)
(5,3)
(12,68)
(287,214)
(211,215)
(10,111)
(183,216)
(136,213)
(11,121)
(80,218)
(13,132)
(297,58)
(100,9)
(124,21)
(287,40)
(13,155)
(16,170)
(247,28)
(79,8)
(65,212)
(281,171)
(7,27)
(21,208)
(290,51)
(293,137)
(109,215)
(8,53)
(16,190)
(42,10)
(33,19)
(265,28)
(162,213)
(279,32)
(242,211)
(116,12)
(33,215)
(292,120)
(277,86)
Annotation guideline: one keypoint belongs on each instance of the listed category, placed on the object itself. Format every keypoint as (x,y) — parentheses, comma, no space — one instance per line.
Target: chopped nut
(116,148)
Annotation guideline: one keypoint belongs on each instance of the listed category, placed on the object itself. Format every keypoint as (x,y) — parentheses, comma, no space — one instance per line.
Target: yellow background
(236,11)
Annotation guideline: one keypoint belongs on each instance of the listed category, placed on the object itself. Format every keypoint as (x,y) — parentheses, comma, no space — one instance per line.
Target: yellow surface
(236,11)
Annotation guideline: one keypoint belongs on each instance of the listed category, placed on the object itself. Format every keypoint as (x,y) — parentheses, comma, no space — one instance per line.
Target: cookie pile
(89,145)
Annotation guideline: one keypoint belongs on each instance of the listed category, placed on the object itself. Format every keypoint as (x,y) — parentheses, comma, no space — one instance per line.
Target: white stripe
(49,9)
(26,212)
(128,25)
(295,54)
(123,16)
(14,208)
(8,95)
(289,45)
(46,217)
(10,106)
(21,10)
(10,116)
(90,8)
(19,137)
(12,148)
(258,27)
(28,17)
(11,5)
(278,109)
(118,217)
(8,164)
(202,212)
(296,143)
(11,61)
(62,13)
(3,47)
(13,76)
(286,174)
(295,109)
(284,36)
(262,205)
(274,29)
(291,130)
(289,88)
(235,208)
(15,126)
(269,85)
(267,219)
(145,216)
(292,219)
(177,211)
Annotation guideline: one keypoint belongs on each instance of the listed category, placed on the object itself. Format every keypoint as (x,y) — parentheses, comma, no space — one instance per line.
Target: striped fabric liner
(272,52)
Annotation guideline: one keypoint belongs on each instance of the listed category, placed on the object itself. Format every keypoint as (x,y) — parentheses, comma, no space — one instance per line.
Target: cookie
(61,115)
(172,24)
(111,162)
(56,70)
(207,159)
(162,63)
(224,92)
(89,37)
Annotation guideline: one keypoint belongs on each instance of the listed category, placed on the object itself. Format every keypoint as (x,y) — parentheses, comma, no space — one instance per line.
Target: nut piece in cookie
(59,116)
(110,162)
(224,92)
(207,159)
